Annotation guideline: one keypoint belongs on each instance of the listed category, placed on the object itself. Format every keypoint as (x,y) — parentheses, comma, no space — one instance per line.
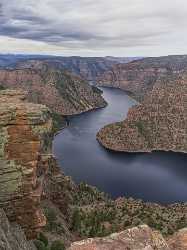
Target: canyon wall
(11,236)
(24,153)
(62,92)
(88,68)
(158,123)
(139,77)
(30,179)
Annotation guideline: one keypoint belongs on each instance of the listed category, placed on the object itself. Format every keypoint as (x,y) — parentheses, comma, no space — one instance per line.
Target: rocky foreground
(24,139)
(37,196)
(158,123)
(137,238)
(61,91)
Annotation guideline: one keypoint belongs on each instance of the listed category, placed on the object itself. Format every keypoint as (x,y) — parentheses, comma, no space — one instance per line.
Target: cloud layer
(87,27)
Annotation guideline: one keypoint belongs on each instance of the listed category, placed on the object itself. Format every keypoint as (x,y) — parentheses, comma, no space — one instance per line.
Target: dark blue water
(157,177)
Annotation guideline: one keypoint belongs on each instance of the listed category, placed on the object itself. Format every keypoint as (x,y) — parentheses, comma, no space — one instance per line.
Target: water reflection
(158,176)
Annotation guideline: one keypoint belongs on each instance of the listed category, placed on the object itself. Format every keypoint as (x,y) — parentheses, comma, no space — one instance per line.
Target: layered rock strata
(139,77)
(24,155)
(159,123)
(88,68)
(62,92)
(11,236)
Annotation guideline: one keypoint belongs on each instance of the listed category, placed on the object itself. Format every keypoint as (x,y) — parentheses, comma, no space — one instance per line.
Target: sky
(94,27)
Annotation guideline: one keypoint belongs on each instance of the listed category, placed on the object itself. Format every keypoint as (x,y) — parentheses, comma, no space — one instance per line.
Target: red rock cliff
(159,123)
(24,156)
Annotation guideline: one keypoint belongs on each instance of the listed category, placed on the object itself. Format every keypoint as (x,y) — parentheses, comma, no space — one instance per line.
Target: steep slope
(29,173)
(138,77)
(159,123)
(59,90)
(10,60)
(24,156)
(11,236)
(88,68)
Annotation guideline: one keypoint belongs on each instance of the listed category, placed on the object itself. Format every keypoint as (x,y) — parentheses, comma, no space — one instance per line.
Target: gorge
(119,174)
(39,197)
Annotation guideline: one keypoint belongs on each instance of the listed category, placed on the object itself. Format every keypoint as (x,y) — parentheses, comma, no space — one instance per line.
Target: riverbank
(118,174)
(157,124)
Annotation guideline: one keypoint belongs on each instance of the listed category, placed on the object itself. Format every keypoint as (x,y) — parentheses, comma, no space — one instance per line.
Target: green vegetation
(2,87)
(104,218)
(43,238)
(59,122)
(89,225)
(42,243)
(87,194)
(53,225)
(57,245)
(142,128)
(92,214)
(97,90)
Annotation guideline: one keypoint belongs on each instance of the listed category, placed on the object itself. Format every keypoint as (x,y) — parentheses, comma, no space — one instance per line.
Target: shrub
(43,238)
(57,245)
(40,245)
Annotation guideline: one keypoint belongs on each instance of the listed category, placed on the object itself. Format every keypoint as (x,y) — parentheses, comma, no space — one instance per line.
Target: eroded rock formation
(88,68)
(62,92)
(159,123)
(139,77)
(11,236)
(137,238)
(24,155)
(28,170)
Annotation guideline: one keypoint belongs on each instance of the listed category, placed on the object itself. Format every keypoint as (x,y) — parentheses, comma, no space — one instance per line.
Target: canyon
(31,180)
(139,77)
(36,195)
(88,68)
(159,122)
(64,93)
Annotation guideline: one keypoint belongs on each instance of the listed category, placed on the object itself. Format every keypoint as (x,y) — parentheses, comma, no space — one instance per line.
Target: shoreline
(138,151)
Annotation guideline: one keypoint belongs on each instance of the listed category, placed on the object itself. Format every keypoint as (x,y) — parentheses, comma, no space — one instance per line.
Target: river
(155,177)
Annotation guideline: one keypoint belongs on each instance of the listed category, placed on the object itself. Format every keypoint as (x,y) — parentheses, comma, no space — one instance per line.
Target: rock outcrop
(11,236)
(137,238)
(24,153)
(62,92)
(159,123)
(179,240)
(139,77)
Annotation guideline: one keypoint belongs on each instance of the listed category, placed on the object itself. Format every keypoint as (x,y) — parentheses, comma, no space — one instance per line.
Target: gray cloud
(105,26)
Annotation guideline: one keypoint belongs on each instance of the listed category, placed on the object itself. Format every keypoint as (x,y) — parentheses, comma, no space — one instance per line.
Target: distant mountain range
(138,77)
(88,68)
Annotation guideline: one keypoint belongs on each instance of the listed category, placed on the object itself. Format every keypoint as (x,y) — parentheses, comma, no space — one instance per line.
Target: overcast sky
(94,27)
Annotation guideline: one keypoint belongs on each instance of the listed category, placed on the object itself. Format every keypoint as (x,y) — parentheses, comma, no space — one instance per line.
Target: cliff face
(27,170)
(59,90)
(88,68)
(24,140)
(11,236)
(139,77)
(159,123)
